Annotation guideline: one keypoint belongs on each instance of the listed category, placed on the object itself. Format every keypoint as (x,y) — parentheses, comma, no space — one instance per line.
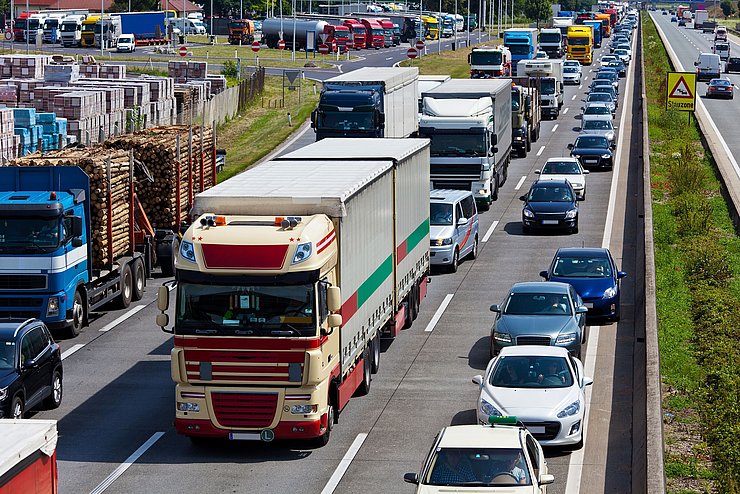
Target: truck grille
(458,170)
(552,429)
(578,50)
(244,410)
(20,314)
(214,366)
(22,282)
(21,302)
(447,184)
(533,340)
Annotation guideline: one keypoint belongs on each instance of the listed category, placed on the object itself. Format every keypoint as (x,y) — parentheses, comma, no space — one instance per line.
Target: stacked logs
(95,162)
(180,164)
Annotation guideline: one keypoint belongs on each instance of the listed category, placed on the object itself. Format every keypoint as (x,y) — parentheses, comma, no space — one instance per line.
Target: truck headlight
(488,409)
(504,337)
(52,308)
(570,410)
(186,406)
(302,252)
(303,409)
(566,338)
(187,251)
(610,292)
(571,214)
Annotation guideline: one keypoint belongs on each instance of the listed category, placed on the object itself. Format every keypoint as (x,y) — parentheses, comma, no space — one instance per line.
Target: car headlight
(570,410)
(505,337)
(527,213)
(52,308)
(566,338)
(303,409)
(571,214)
(442,241)
(187,251)
(185,406)
(610,292)
(488,409)
(606,156)
(3,393)
(576,185)
(610,136)
(302,252)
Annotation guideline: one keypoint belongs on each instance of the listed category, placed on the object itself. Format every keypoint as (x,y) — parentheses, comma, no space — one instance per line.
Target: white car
(566,168)
(608,58)
(602,127)
(625,46)
(503,457)
(541,55)
(126,43)
(571,75)
(622,53)
(572,63)
(543,386)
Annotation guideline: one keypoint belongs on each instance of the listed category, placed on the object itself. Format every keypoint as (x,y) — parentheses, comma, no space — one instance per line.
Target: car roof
(560,159)
(599,136)
(448,195)
(582,252)
(10,326)
(480,436)
(550,184)
(720,79)
(534,350)
(540,286)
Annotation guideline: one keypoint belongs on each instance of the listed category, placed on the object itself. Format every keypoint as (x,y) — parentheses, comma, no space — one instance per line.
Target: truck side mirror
(381,119)
(163,298)
(76,226)
(494,140)
(469,58)
(334,298)
(334,320)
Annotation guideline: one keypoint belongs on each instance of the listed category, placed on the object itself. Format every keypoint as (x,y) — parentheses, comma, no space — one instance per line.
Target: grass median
(697,256)
(263,125)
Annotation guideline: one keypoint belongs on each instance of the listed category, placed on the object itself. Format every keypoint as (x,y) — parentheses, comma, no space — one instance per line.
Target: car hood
(587,287)
(439,231)
(7,376)
(434,489)
(550,207)
(591,151)
(540,325)
(605,133)
(528,403)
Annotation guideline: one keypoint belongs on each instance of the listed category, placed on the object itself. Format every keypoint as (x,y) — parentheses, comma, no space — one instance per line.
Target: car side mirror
(495,308)
(621,274)
(581,309)
(462,221)
(411,478)
(570,146)
(536,172)
(546,479)
(478,380)
(30,364)
(587,381)
(522,198)
(544,274)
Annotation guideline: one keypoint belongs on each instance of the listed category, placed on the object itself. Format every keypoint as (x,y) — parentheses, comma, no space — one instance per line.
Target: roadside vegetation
(263,124)
(453,63)
(698,296)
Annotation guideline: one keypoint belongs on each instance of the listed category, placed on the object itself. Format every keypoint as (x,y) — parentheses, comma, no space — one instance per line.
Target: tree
(726,7)
(136,5)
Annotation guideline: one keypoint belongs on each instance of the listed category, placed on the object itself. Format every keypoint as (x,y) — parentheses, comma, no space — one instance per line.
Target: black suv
(30,368)
(732,65)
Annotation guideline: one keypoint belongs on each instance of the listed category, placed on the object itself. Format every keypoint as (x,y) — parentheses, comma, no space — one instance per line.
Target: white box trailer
(368,102)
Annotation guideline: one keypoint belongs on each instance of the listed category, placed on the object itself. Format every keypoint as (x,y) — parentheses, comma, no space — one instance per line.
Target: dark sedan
(732,65)
(619,65)
(720,88)
(550,204)
(593,151)
(594,275)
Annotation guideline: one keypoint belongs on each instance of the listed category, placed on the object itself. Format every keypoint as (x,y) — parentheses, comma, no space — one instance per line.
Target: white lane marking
(580,86)
(71,350)
(490,231)
(438,315)
(585,78)
(122,318)
(520,183)
(126,464)
(336,477)
(574,97)
(555,128)
(565,111)
(539,153)
(389,58)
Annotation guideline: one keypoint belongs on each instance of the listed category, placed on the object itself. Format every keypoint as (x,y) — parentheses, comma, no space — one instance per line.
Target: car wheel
(574,230)
(455,261)
(492,350)
(529,146)
(16,408)
(474,253)
(55,398)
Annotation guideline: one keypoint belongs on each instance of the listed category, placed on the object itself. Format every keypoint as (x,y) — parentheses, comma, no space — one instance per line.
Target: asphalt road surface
(116,420)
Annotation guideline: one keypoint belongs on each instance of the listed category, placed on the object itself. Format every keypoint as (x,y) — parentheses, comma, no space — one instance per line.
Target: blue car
(594,275)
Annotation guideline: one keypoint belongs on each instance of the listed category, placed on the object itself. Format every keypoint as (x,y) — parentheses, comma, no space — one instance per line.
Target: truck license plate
(549,222)
(244,436)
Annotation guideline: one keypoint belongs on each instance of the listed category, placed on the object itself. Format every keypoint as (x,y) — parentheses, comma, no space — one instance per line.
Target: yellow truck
(581,44)
(88,31)
(431,26)
(285,282)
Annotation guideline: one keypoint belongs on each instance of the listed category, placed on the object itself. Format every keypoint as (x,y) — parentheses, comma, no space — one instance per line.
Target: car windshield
(620,52)
(440,214)
(252,310)
(597,110)
(600,97)
(535,304)
(531,372)
(597,125)
(582,267)
(561,168)
(477,467)
(603,88)
(7,355)
(592,142)
(570,70)
(609,58)
(571,64)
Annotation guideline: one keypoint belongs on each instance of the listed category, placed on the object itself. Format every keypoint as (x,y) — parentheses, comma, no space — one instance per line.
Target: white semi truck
(469,124)
(285,282)
(551,42)
(550,74)
(71,30)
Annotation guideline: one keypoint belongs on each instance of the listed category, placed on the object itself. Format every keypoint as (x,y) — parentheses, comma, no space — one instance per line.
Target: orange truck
(605,24)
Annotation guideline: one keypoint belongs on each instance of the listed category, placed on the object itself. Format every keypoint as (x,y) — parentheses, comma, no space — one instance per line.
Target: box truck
(550,74)
(285,282)
(489,61)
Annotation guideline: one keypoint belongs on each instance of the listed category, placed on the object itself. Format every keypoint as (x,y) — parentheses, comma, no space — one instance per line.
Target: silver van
(453,232)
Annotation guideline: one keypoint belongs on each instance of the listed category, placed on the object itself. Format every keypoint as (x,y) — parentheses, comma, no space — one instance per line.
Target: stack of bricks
(29,66)
(114,105)
(162,99)
(6,67)
(218,83)
(84,111)
(9,95)
(178,70)
(54,131)
(26,92)
(62,72)
(197,70)
(112,72)
(8,139)
(184,100)
(90,70)
(26,129)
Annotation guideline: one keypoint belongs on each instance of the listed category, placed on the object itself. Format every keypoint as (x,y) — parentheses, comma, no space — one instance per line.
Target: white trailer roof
(19,439)
(471,88)
(390,76)
(305,187)
(370,149)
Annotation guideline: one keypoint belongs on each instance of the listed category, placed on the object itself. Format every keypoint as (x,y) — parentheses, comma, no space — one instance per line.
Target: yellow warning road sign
(681,88)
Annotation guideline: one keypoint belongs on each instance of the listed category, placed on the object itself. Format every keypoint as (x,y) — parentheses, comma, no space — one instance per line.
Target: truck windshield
(68,27)
(485,58)
(51,24)
(548,86)
(358,30)
(457,145)
(519,48)
(88,28)
(578,41)
(341,34)
(33,23)
(256,310)
(19,24)
(29,234)
(550,38)
(344,120)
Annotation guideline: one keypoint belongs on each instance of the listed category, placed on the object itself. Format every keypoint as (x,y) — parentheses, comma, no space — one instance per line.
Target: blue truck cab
(349,112)
(522,43)
(46,246)
(596,27)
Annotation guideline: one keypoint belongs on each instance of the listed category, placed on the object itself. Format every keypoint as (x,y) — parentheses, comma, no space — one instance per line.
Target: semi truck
(375,37)
(431,27)
(605,24)
(271,32)
(596,26)
(551,88)
(100,31)
(241,31)
(701,17)
(469,124)
(52,25)
(147,27)
(358,33)
(522,43)
(287,279)
(28,461)
(525,114)
(87,36)
(551,42)
(71,30)
(368,102)
(489,61)
(581,44)
(448,26)
(427,83)
(20,25)
(563,23)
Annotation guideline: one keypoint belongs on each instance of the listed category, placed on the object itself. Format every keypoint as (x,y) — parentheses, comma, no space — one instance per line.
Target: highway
(116,421)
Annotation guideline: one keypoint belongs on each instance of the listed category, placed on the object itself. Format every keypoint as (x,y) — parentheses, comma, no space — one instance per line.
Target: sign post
(681,92)
(412,53)
(256,49)
(420,46)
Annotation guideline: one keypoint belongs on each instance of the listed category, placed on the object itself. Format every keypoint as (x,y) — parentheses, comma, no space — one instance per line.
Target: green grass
(259,129)
(453,63)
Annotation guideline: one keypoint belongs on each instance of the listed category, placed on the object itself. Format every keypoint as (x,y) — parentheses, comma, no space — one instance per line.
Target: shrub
(229,68)
(685,171)
(693,214)
(705,261)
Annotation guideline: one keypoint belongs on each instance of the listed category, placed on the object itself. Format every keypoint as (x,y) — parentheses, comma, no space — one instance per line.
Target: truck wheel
(409,318)
(366,371)
(529,144)
(417,300)
(323,439)
(138,270)
(375,354)
(523,152)
(127,287)
(494,194)
(78,316)
(55,398)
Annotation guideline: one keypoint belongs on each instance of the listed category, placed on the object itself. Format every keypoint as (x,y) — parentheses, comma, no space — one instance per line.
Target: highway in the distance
(116,421)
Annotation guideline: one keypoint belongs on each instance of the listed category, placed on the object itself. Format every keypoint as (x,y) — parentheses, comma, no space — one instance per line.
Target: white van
(722,48)
(707,67)
(720,33)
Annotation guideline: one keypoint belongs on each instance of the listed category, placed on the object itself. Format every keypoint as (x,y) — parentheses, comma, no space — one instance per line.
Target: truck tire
(323,439)
(523,152)
(495,182)
(79,315)
(364,387)
(127,287)
(138,271)
(375,354)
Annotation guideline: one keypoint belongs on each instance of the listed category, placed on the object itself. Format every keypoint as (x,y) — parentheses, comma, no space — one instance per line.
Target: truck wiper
(291,331)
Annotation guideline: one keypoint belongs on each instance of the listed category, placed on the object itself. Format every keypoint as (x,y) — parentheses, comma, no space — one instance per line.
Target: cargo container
(28,458)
